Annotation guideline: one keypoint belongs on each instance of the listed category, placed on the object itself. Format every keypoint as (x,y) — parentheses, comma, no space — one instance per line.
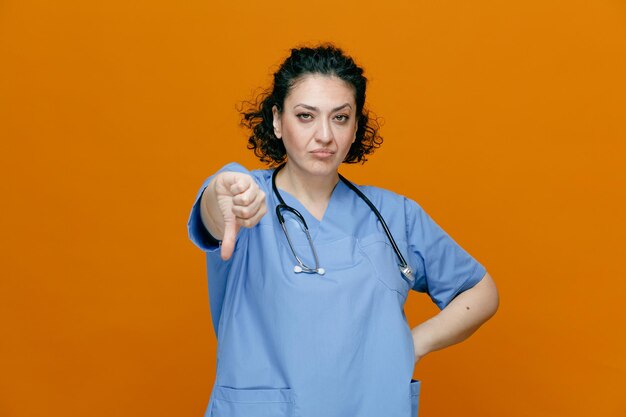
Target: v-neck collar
(311,220)
(279,192)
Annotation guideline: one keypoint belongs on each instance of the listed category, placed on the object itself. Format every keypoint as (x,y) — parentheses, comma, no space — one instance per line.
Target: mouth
(322,152)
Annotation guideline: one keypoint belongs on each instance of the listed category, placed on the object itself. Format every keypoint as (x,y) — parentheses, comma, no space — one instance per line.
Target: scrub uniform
(332,345)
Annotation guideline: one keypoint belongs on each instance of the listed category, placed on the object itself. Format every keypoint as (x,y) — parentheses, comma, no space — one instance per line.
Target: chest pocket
(385,263)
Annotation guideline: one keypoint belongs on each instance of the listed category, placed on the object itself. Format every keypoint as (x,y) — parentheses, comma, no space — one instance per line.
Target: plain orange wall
(505,120)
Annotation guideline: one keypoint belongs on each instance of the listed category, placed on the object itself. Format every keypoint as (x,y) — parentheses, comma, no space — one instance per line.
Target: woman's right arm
(230,201)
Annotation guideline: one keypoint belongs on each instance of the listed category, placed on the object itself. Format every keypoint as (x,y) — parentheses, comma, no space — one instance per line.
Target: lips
(322,152)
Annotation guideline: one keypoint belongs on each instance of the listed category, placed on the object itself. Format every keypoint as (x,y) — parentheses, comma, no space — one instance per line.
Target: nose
(324,132)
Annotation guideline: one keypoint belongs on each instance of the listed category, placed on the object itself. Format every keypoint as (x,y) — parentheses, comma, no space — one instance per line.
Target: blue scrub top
(332,345)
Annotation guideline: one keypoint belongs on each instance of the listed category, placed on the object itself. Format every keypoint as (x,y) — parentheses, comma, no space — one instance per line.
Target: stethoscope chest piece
(298,269)
(405,269)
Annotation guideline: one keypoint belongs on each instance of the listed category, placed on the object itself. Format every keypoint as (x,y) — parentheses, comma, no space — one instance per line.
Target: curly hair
(325,59)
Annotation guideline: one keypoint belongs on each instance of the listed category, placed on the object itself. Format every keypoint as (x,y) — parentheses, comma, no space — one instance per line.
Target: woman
(307,299)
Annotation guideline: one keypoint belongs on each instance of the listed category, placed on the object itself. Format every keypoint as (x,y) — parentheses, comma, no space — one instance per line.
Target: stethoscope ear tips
(321,271)
(297,269)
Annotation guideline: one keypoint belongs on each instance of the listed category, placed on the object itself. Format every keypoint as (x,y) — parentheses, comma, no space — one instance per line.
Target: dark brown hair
(325,59)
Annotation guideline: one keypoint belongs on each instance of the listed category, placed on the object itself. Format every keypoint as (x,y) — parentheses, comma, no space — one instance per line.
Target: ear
(276,122)
(356,128)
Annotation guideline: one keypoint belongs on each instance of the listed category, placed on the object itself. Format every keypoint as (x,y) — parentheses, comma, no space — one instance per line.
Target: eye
(304,116)
(342,117)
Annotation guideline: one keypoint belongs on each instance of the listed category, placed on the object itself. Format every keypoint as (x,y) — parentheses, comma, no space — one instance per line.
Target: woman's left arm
(458,320)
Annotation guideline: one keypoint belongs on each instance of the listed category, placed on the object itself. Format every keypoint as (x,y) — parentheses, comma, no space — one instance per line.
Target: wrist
(210,211)
(421,340)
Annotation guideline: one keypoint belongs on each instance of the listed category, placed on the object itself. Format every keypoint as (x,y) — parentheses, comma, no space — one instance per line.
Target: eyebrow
(313,108)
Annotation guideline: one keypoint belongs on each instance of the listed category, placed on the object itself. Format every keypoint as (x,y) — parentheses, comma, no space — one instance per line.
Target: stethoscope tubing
(406,270)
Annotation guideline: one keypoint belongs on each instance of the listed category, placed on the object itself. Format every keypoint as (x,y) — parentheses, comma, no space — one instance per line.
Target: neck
(313,191)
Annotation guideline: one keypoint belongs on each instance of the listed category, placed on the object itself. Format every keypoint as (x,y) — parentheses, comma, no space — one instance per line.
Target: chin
(322,167)
(317,167)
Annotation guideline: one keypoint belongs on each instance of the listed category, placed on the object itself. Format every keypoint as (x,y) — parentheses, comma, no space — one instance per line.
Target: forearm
(458,320)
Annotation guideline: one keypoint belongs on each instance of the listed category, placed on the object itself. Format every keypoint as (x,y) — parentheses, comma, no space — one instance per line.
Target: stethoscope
(407,271)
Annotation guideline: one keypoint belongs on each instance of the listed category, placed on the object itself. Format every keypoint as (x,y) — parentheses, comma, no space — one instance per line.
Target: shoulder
(382,197)
(401,210)
(263,177)
(378,193)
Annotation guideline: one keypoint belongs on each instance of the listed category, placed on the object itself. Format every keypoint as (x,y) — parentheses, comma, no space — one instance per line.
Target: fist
(241,203)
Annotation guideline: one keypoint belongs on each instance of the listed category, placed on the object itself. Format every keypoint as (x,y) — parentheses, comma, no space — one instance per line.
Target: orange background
(505,120)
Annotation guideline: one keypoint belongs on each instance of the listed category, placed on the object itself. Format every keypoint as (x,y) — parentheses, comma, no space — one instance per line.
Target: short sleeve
(217,269)
(443,269)
(198,233)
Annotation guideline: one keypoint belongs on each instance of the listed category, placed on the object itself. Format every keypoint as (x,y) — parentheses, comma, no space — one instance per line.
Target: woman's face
(318,124)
